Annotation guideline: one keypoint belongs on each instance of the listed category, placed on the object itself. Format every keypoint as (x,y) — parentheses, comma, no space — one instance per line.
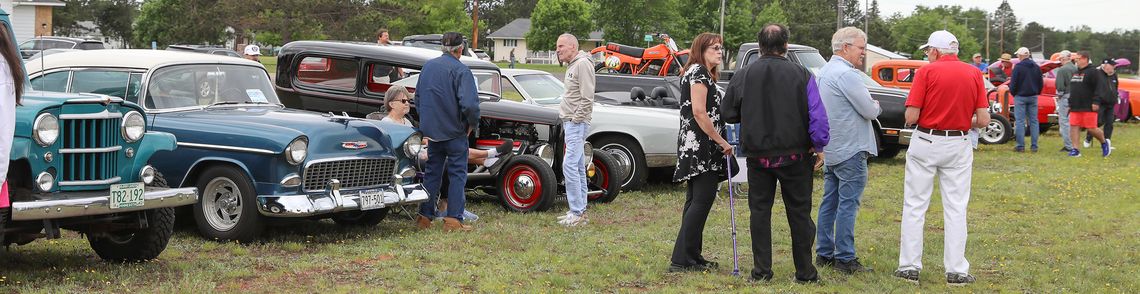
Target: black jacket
(1085,88)
(776,102)
(1111,83)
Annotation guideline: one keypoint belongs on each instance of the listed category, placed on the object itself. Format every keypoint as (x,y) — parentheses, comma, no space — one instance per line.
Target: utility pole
(1001,37)
(722,18)
(838,14)
(866,12)
(1043,44)
(475,25)
(988,37)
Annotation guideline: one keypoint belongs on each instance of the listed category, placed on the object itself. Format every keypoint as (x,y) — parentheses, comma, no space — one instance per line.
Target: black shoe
(507,147)
(760,278)
(823,261)
(851,267)
(956,279)
(1019,149)
(1034,149)
(710,265)
(1066,149)
(908,275)
(700,267)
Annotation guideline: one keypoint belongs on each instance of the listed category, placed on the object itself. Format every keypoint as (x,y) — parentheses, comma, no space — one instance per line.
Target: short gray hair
(570,37)
(1066,54)
(949,50)
(451,49)
(846,35)
(393,91)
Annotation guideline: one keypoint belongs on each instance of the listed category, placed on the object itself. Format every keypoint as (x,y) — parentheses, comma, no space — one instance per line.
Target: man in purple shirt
(783,129)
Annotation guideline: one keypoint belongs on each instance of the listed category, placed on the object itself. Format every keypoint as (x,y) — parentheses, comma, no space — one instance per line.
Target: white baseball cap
(940,40)
(1022,51)
(252,50)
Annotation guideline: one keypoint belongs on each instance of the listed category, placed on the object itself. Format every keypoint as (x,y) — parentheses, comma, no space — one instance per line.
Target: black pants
(1104,119)
(796,187)
(699,197)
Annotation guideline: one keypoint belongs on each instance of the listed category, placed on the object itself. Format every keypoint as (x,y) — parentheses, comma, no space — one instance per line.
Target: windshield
(203,85)
(815,62)
(543,88)
(488,81)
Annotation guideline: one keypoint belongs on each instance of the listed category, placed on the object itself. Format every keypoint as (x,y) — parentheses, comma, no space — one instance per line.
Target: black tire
(998,131)
(889,151)
(218,184)
(606,176)
(628,154)
(358,218)
(526,184)
(137,244)
(1043,128)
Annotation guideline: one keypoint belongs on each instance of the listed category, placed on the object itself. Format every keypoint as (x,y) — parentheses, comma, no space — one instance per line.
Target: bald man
(577,105)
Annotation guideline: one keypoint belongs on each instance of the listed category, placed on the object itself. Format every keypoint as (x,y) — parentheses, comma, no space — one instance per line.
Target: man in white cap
(947,98)
(1025,85)
(252,52)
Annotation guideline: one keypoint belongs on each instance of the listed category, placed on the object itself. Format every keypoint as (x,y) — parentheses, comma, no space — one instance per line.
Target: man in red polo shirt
(945,97)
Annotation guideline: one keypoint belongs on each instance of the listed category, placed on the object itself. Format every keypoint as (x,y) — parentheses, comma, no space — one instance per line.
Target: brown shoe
(423,222)
(453,224)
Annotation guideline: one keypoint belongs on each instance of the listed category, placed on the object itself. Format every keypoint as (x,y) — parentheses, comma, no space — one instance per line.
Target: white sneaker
(574,220)
(1087,143)
(564,216)
(1109,142)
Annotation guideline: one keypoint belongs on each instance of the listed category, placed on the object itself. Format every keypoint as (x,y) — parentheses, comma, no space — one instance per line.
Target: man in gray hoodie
(577,105)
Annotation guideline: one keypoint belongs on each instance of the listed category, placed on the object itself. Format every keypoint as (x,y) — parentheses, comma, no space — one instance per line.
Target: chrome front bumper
(334,200)
(98,203)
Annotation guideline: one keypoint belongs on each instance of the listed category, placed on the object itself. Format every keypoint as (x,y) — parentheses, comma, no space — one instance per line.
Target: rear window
(90,46)
(328,72)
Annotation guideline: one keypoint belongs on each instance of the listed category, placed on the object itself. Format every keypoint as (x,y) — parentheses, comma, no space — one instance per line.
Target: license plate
(371,200)
(126,195)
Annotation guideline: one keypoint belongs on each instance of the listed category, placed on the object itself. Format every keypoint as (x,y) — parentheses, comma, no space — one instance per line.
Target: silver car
(639,137)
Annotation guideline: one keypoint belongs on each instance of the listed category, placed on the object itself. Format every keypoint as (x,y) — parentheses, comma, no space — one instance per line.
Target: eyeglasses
(405,101)
(717,48)
(860,47)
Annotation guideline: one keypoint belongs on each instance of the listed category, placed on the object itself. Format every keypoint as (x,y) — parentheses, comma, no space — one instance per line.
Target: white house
(30,18)
(513,37)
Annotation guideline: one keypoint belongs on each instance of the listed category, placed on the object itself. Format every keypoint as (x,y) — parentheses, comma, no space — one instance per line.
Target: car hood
(272,128)
(518,111)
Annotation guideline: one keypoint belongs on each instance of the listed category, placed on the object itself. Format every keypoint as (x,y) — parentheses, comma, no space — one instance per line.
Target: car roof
(129,58)
(518,72)
(900,62)
(396,54)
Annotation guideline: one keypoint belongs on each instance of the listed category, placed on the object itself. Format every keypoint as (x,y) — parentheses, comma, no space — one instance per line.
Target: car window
(90,46)
(111,83)
(906,75)
(327,72)
(56,44)
(886,74)
(815,62)
(543,88)
(381,77)
(510,92)
(30,45)
(488,81)
(55,82)
(134,85)
(201,85)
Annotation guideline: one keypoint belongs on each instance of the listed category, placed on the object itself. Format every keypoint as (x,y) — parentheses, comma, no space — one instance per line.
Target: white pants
(951,159)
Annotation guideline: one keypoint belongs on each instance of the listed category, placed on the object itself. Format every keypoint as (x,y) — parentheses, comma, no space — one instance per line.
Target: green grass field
(270,63)
(1038,223)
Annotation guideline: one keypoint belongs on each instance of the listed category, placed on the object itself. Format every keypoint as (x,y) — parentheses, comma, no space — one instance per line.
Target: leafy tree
(913,30)
(179,22)
(552,18)
(65,20)
(115,18)
(853,13)
(1005,29)
(628,21)
(810,22)
(878,30)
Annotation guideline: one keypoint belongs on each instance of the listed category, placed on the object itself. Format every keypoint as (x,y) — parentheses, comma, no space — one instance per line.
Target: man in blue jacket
(448,102)
(1025,85)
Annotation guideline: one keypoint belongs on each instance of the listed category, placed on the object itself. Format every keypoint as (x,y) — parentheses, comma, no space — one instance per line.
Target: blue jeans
(1025,116)
(446,158)
(843,185)
(1063,119)
(574,165)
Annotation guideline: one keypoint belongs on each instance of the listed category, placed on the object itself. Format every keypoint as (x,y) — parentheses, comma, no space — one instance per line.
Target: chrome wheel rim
(221,204)
(994,131)
(624,159)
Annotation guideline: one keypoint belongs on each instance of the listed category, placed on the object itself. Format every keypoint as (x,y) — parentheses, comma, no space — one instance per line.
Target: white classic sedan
(639,137)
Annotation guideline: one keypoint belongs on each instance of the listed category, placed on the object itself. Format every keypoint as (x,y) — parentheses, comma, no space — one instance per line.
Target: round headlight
(134,126)
(413,145)
(147,174)
(46,129)
(297,151)
(545,152)
(45,181)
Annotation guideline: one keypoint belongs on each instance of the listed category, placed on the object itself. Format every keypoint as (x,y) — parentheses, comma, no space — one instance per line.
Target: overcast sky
(1100,15)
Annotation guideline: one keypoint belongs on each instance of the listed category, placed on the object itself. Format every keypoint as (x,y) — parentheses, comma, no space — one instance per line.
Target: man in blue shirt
(850,111)
(978,62)
(1025,84)
(448,102)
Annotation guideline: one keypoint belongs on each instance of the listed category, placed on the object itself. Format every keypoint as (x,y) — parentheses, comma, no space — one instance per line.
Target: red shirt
(947,91)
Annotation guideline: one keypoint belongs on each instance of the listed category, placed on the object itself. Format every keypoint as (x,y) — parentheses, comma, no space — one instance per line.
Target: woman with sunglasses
(701,150)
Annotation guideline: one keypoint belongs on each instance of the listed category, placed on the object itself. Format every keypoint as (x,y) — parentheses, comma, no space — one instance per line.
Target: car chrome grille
(352,173)
(90,151)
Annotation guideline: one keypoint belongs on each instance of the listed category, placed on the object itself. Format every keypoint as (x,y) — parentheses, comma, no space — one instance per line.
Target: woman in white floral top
(701,149)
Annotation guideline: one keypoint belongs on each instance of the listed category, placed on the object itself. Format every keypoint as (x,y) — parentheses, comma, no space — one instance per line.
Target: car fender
(21,148)
(152,142)
(195,168)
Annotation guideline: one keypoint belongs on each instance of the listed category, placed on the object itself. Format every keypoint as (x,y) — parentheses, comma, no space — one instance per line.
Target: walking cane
(732,216)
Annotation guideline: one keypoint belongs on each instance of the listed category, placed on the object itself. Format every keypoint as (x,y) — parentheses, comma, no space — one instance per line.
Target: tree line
(811,22)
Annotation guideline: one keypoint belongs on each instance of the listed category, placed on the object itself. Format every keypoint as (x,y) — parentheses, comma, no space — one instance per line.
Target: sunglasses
(405,101)
(717,48)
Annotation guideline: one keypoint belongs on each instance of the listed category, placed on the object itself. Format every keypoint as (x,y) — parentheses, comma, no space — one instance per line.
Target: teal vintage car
(80,162)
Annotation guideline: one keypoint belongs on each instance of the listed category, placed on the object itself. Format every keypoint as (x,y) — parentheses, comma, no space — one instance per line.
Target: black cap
(1109,61)
(452,39)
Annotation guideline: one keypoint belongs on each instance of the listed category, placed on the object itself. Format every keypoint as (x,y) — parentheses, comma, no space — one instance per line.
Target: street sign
(649,38)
